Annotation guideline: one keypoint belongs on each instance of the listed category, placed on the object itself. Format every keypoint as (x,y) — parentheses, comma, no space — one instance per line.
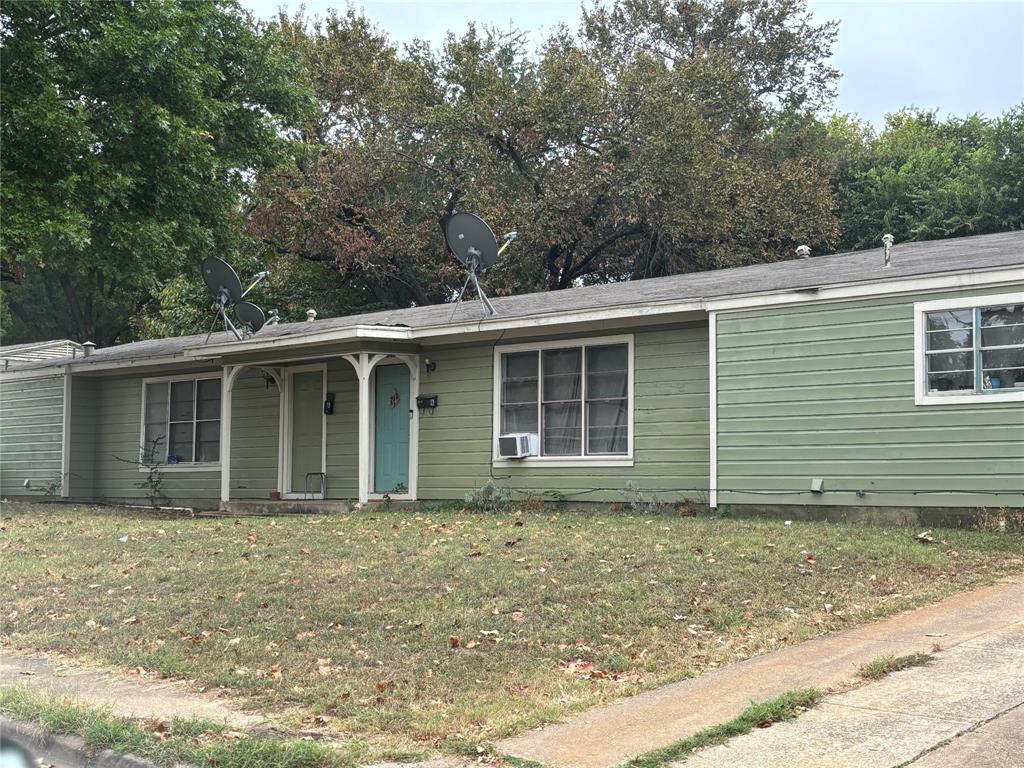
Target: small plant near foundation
(886,665)
(1003,520)
(152,483)
(51,488)
(489,498)
(640,502)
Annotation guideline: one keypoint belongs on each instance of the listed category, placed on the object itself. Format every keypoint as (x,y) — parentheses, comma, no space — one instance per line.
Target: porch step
(261,507)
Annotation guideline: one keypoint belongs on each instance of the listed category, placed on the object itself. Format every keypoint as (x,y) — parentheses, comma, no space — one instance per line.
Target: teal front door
(391,430)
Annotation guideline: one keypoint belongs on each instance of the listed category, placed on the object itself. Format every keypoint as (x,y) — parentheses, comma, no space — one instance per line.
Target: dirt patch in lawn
(444,630)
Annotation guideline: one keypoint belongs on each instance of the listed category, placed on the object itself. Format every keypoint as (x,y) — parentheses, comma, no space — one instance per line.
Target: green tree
(654,140)
(131,131)
(923,178)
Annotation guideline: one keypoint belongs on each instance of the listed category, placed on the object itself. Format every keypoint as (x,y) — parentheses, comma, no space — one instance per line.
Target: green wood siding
(118,418)
(82,470)
(343,431)
(827,390)
(255,426)
(31,429)
(670,435)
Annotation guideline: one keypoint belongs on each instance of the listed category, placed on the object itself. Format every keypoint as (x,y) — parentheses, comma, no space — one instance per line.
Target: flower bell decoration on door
(394,399)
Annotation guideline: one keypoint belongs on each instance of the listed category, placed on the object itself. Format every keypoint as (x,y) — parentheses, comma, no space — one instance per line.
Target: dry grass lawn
(443,630)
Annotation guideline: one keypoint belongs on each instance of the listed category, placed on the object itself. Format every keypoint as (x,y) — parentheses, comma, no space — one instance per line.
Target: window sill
(211,467)
(1004,396)
(569,462)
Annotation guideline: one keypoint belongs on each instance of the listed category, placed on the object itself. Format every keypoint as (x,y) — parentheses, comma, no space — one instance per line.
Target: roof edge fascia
(972,278)
(80,366)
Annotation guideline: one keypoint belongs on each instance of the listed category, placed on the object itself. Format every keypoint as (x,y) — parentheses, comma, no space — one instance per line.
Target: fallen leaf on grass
(318,721)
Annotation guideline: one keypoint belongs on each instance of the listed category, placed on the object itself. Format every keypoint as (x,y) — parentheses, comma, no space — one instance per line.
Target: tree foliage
(130,134)
(923,178)
(657,138)
(645,143)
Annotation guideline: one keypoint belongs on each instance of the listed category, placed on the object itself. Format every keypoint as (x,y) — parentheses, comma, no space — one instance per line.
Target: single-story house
(830,381)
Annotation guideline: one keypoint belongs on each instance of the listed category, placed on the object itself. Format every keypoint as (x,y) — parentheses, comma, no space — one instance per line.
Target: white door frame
(285,458)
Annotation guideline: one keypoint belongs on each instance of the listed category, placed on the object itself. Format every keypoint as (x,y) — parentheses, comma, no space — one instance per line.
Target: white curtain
(562,401)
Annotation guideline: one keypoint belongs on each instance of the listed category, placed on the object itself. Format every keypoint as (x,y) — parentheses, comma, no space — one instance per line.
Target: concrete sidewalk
(123,695)
(916,717)
(608,735)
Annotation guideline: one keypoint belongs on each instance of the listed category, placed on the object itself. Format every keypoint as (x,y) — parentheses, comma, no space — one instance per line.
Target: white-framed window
(181,420)
(969,350)
(575,395)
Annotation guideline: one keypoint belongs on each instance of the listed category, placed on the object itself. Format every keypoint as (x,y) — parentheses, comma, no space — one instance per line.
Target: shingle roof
(914,259)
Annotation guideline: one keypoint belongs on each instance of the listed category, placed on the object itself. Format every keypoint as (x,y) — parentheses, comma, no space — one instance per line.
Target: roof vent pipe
(310,315)
(887,241)
(88,348)
(803,251)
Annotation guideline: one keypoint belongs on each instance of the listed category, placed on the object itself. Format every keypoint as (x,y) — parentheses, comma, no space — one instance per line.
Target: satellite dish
(471,240)
(250,316)
(473,243)
(223,282)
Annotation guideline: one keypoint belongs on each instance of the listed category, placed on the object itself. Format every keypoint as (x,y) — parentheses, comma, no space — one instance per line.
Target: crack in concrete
(887,711)
(954,737)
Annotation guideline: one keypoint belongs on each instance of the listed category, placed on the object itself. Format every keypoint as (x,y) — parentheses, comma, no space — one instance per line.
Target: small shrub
(489,498)
(51,488)
(639,501)
(531,503)
(1003,520)
(152,483)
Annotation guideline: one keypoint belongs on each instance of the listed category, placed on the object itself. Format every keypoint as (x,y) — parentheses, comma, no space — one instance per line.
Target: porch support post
(363,372)
(226,388)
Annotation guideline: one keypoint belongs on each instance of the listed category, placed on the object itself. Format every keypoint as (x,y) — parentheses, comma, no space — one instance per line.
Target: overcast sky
(957,57)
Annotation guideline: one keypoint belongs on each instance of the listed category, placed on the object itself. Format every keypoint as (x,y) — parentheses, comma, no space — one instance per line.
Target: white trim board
(597,460)
(65,439)
(713,409)
(921,395)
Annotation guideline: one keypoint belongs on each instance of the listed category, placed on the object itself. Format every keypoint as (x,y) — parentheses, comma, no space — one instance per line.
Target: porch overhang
(364,355)
(256,344)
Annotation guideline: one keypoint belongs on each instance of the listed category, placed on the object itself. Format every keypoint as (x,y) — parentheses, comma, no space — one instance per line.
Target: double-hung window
(575,396)
(970,349)
(181,421)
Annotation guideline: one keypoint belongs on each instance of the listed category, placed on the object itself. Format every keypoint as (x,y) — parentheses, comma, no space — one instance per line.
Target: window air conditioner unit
(518,445)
